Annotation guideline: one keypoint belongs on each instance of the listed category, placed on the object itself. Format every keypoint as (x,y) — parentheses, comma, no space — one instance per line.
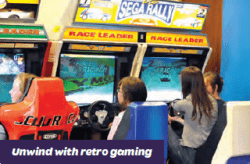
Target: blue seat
(145,121)
(245,159)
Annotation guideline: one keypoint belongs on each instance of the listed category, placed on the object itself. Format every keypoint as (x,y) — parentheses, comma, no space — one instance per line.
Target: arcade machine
(23,47)
(153,40)
(166,56)
(91,63)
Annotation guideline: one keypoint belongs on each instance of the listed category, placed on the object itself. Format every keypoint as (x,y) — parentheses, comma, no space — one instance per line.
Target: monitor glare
(88,78)
(10,66)
(162,77)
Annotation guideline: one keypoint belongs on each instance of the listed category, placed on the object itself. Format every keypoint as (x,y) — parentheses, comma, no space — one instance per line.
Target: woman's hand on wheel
(175,118)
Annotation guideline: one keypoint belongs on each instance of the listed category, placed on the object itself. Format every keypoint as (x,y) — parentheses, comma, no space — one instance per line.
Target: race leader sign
(100,35)
(22,32)
(73,33)
(177,39)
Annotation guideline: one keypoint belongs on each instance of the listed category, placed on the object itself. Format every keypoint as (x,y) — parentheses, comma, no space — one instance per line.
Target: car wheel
(14,16)
(84,17)
(104,19)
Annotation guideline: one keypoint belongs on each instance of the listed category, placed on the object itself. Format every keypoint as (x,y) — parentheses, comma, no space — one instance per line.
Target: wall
(235,65)
(213,29)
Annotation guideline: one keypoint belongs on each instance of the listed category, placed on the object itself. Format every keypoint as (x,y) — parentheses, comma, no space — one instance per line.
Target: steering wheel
(100,115)
(171,111)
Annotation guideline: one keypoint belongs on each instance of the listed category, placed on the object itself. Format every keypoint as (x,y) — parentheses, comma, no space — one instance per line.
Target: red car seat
(44,114)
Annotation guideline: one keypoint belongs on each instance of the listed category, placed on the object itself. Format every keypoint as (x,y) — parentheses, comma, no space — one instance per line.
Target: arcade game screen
(10,66)
(88,78)
(162,77)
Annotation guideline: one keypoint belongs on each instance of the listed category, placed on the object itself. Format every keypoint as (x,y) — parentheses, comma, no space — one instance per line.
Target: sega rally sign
(127,9)
(142,13)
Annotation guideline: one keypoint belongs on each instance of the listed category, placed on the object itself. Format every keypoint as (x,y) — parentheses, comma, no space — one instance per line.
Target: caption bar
(113,153)
(94,151)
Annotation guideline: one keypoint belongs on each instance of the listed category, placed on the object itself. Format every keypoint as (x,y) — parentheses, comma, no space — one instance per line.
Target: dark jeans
(177,153)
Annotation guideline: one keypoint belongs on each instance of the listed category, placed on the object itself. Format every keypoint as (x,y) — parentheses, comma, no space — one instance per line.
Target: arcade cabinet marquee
(21,32)
(151,13)
(77,33)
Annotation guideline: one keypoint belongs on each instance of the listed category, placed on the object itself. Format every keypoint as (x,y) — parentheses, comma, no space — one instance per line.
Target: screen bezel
(163,57)
(120,71)
(197,60)
(89,56)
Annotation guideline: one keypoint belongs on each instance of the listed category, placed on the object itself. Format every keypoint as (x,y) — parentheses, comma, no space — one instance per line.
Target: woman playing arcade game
(214,83)
(130,89)
(200,114)
(17,91)
(19,86)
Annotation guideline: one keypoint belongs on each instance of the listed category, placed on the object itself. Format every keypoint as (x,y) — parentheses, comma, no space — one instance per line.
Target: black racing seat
(204,154)
(242,159)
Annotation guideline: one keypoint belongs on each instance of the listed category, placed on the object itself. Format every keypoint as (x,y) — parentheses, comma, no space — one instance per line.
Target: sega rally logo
(129,9)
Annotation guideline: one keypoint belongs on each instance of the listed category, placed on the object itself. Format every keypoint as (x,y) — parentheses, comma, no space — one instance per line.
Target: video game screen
(161,76)
(10,66)
(88,78)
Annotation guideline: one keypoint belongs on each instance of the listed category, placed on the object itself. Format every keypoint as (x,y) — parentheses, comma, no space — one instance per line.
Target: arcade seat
(144,121)
(205,153)
(243,159)
(43,114)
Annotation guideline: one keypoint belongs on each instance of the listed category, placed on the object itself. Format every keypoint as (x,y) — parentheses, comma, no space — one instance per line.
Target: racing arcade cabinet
(91,63)
(166,56)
